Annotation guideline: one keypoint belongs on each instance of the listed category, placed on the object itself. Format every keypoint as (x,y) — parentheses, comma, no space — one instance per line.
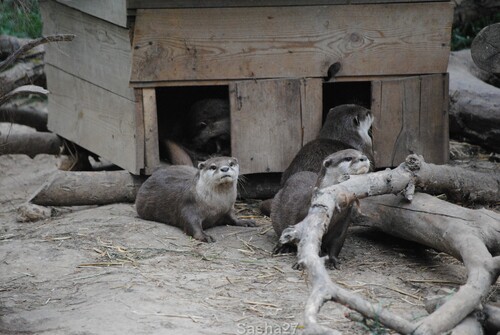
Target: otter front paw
(204,237)
(245,223)
(287,248)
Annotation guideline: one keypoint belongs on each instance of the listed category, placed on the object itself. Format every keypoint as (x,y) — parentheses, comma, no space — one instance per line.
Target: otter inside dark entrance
(195,117)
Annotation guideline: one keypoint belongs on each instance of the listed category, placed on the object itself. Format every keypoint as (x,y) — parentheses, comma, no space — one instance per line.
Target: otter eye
(347,159)
(327,163)
(202,125)
(213,167)
(232,164)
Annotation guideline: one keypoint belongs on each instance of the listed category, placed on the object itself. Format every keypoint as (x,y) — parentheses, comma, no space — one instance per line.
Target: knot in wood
(414,162)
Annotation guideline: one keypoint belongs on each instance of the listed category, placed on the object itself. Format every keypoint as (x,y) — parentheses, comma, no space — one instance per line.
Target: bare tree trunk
(474,105)
(87,188)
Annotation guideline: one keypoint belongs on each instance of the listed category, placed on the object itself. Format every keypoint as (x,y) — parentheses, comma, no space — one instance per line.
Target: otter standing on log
(292,202)
(345,127)
(192,199)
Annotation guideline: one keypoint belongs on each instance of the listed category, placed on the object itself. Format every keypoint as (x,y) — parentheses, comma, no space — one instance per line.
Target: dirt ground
(102,270)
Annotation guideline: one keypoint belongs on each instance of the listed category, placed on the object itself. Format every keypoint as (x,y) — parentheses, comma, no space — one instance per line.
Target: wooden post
(151,147)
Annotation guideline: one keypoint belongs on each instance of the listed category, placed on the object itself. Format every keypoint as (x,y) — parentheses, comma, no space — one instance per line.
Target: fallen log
(26,116)
(474,243)
(485,49)
(22,73)
(31,144)
(474,105)
(87,188)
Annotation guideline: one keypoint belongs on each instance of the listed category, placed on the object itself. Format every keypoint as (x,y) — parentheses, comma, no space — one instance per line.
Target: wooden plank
(94,118)
(114,11)
(265,124)
(393,128)
(100,53)
(140,130)
(137,4)
(434,131)
(151,144)
(410,117)
(311,90)
(291,42)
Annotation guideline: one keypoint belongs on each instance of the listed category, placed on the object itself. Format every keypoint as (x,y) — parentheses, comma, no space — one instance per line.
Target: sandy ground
(102,270)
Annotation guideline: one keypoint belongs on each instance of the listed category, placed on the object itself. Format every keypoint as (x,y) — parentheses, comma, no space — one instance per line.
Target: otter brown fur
(192,199)
(292,202)
(345,127)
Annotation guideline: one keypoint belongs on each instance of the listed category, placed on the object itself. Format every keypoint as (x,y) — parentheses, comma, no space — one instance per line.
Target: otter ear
(356,121)
(327,163)
(201,165)
(235,160)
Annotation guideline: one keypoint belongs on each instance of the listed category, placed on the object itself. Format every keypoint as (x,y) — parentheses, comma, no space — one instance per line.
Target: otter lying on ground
(192,199)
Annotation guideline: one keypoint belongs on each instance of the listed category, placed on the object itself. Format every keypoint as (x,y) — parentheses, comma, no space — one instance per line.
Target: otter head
(349,124)
(339,165)
(209,126)
(218,171)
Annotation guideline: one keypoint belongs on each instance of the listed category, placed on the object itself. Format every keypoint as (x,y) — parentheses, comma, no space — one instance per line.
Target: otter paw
(297,266)
(245,223)
(332,263)
(205,238)
(284,249)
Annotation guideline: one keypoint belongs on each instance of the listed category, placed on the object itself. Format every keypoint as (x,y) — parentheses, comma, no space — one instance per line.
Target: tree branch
(24,48)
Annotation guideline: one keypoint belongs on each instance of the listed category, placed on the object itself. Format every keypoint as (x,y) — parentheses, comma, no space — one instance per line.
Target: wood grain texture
(311,90)
(266,129)
(140,130)
(100,53)
(94,118)
(485,49)
(136,4)
(410,117)
(151,144)
(114,11)
(291,42)
(434,128)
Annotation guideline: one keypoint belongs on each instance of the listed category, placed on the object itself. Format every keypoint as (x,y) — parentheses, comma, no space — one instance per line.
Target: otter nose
(224,168)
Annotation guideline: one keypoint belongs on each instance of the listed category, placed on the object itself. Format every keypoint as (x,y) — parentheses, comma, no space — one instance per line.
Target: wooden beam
(291,42)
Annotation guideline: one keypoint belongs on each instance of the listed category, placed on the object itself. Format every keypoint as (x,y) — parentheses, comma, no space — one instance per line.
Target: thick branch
(42,40)
(27,116)
(27,89)
(22,73)
(31,144)
(469,235)
(87,188)
(473,245)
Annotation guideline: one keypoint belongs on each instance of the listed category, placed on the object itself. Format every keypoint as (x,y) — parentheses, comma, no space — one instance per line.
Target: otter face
(342,163)
(209,126)
(219,170)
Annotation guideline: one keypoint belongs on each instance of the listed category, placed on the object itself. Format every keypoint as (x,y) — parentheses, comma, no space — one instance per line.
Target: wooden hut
(269,58)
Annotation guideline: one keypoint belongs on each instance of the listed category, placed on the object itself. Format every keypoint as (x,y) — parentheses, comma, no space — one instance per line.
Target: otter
(345,127)
(192,199)
(208,127)
(292,202)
